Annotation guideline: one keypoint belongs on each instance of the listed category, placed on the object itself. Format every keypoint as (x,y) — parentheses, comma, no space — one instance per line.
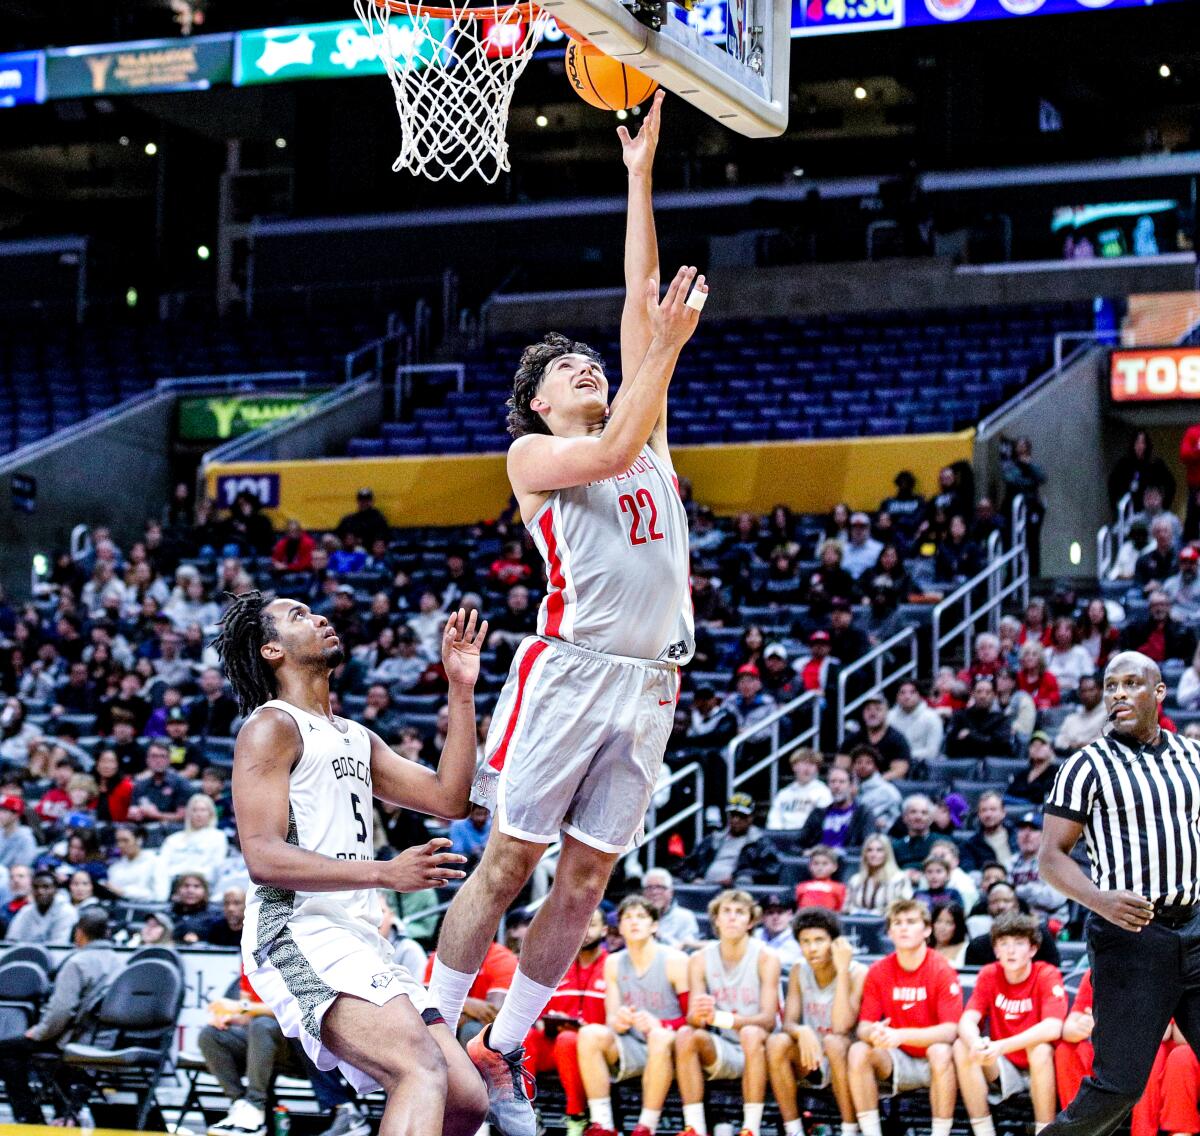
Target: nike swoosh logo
(908,1005)
(665,701)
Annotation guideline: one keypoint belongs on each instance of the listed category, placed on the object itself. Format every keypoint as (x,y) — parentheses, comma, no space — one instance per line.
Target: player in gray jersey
(303,782)
(645,1002)
(820,1012)
(732,1007)
(579,731)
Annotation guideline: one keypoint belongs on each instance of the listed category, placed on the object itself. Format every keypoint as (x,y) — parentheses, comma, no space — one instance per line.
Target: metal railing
(772,725)
(1109,538)
(876,659)
(654,828)
(1006,576)
(395,346)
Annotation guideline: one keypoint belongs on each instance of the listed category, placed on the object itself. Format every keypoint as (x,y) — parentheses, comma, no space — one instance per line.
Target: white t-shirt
(1069,666)
(794,802)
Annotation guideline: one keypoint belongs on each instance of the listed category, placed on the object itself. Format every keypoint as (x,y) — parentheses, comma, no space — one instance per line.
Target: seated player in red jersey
(645,1002)
(579,999)
(822,890)
(907,1025)
(1021,1004)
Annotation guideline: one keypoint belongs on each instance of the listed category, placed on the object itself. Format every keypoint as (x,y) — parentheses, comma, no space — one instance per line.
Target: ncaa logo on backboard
(949,10)
(1021,7)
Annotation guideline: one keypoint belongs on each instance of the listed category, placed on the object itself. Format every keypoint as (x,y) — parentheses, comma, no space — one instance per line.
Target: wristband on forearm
(723,1019)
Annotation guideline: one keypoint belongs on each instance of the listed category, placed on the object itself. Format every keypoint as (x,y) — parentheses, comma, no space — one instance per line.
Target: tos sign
(1152,376)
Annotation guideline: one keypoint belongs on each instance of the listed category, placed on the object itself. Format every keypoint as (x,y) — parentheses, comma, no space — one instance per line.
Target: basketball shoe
(511,1087)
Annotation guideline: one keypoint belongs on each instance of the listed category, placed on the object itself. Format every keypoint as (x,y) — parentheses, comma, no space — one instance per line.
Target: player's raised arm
(641,245)
(541,463)
(446,791)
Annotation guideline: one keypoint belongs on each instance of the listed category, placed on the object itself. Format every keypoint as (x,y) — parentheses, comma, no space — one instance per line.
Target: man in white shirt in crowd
(49,919)
(1083,726)
(874,793)
(792,804)
(862,550)
(921,726)
(775,930)
(677,926)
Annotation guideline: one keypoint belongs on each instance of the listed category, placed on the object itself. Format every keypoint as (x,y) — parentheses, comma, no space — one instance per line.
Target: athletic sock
(752,1117)
(793,1127)
(983,1126)
(448,991)
(942,1124)
(849,1129)
(523,1005)
(869,1123)
(1037,1128)
(649,1118)
(693,1118)
(600,1110)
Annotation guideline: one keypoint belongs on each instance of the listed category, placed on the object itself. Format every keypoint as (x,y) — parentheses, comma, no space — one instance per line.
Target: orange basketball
(605,82)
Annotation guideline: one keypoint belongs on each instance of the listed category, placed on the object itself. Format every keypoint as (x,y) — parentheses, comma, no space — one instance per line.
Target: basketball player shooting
(303,782)
(579,731)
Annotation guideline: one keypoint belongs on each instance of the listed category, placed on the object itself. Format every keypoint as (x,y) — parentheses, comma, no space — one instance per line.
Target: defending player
(303,780)
(1022,1003)
(579,731)
(646,994)
(820,1012)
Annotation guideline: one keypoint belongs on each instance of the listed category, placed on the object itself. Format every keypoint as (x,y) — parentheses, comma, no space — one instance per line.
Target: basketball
(604,82)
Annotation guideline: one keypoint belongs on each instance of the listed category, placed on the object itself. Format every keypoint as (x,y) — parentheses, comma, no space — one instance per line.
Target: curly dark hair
(532,369)
(244,629)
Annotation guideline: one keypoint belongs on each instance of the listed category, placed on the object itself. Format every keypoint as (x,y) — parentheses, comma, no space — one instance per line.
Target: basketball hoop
(453,70)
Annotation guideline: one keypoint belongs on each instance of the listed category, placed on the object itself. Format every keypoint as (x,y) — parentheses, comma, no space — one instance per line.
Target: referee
(1135,795)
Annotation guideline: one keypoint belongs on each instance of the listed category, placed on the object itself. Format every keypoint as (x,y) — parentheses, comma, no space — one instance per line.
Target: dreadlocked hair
(244,629)
(522,419)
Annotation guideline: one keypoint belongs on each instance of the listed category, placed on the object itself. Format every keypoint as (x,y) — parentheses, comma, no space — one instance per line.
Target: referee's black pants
(1141,979)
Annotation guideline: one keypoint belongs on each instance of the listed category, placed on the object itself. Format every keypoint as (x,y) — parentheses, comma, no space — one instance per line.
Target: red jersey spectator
(1037,623)
(1035,680)
(293,552)
(1189,454)
(510,567)
(56,801)
(822,890)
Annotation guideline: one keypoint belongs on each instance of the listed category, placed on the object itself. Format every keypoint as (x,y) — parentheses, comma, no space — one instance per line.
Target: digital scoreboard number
(836,17)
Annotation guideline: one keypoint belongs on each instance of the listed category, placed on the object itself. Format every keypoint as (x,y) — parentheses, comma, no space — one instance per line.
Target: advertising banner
(139,68)
(218,418)
(328,51)
(22,78)
(1155,374)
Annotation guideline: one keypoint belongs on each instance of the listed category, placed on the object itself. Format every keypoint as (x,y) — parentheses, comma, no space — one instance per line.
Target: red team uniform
(579,998)
(912,999)
(580,728)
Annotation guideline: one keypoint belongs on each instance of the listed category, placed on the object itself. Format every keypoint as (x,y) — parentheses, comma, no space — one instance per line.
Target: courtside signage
(222,417)
(139,68)
(328,51)
(1156,375)
(22,78)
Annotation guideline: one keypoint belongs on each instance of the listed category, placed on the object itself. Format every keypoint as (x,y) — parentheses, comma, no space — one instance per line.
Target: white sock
(523,1005)
(600,1110)
(869,1123)
(942,1124)
(1038,1127)
(793,1127)
(693,1117)
(752,1117)
(849,1129)
(650,1118)
(983,1126)
(448,991)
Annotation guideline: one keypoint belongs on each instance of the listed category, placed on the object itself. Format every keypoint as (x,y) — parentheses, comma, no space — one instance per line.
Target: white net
(453,70)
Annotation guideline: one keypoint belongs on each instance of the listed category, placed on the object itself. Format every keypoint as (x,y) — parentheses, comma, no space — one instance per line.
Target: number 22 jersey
(330,811)
(616,554)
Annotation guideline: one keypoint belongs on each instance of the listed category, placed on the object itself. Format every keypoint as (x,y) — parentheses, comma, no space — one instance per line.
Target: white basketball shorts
(576,744)
(321,953)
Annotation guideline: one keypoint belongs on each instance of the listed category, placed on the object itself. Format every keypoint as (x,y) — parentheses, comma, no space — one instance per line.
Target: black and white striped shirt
(1140,808)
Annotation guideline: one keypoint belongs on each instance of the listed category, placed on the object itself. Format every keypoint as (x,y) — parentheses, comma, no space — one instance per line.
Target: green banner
(328,51)
(226,416)
(139,68)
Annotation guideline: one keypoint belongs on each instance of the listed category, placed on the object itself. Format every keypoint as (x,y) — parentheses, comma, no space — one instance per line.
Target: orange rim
(526,11)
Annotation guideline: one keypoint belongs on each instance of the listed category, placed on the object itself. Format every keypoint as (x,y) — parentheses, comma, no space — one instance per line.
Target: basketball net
(453,70)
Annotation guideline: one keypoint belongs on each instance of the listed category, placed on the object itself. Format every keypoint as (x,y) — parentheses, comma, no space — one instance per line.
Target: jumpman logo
(312,729)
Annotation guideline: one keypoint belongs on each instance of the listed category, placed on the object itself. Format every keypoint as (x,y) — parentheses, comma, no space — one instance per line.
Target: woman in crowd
(957,558)
(837,524)
(1065,658)
(1037,623)
(1034,679)
(878,882)
(1017,706)
(114,789)
(17,734)
(1138,467)
(829,580)
(82,890)
(949,933)
(200,847)
(1097,635)
(190,907)
(890,569)
(132,875)
(80,851)
(751,646)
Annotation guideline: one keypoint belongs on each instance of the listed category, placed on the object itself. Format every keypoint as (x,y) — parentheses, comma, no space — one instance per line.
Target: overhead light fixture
(622,115)
(280,143)
(123,140)
(541,121)
(151,149)
(203,252)
(860,93)
(1164,71)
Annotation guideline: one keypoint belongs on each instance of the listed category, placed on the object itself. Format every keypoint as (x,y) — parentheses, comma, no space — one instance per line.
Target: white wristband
(697,300)
(723,1019)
